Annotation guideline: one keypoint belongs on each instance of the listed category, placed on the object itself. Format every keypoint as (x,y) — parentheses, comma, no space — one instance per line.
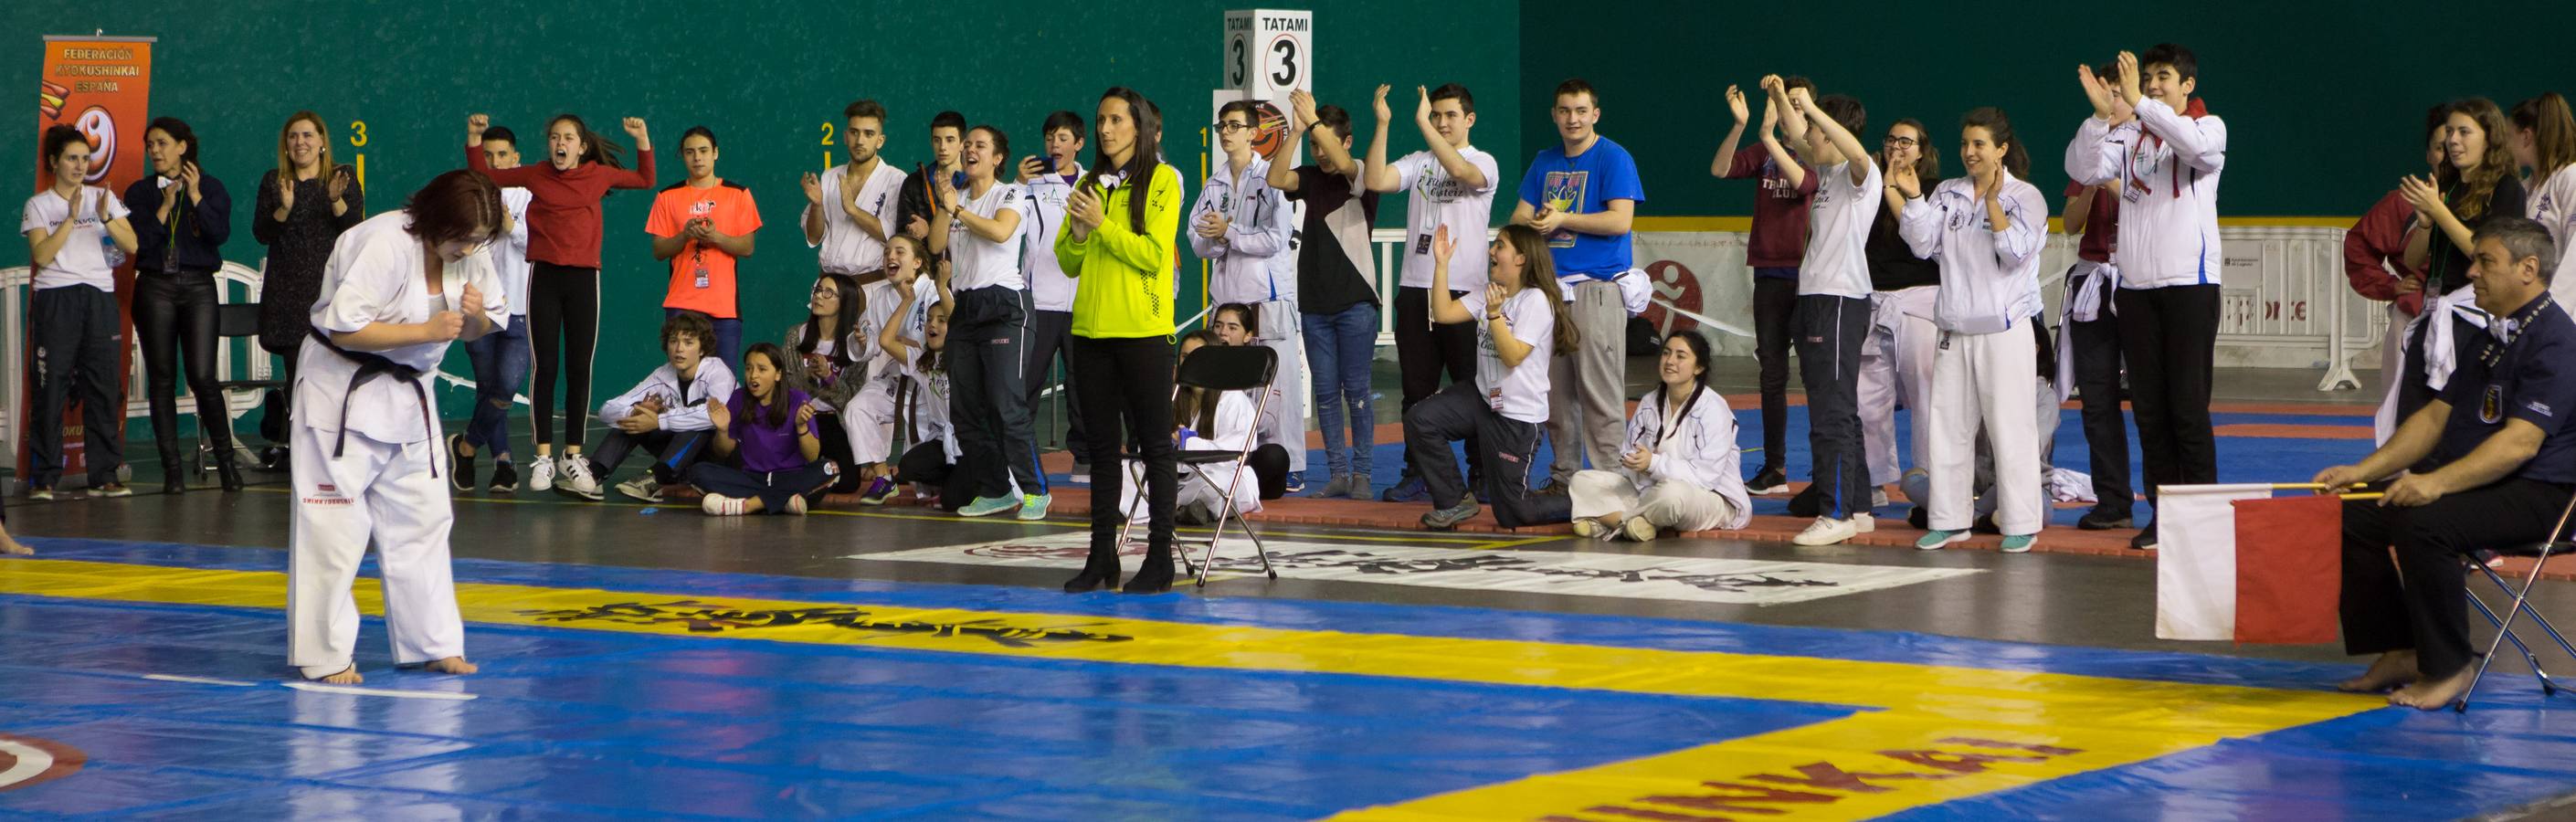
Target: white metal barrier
(14,288)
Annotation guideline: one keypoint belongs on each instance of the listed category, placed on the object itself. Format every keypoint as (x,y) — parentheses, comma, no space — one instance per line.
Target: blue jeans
(728,338)
(500,370)
(1339,347)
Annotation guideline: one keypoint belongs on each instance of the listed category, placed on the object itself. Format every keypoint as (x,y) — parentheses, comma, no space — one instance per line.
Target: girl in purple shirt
(770,450)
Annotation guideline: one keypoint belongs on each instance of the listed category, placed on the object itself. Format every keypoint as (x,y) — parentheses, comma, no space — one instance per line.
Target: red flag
(2289,569)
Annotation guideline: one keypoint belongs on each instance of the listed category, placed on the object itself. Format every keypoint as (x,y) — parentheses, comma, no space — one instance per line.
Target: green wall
(765,76)
(2324,101)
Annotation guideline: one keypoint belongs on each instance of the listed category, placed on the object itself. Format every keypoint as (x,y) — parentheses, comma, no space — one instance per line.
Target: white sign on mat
(1633,576)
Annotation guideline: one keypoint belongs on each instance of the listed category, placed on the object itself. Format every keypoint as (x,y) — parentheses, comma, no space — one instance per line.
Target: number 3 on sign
(357,133)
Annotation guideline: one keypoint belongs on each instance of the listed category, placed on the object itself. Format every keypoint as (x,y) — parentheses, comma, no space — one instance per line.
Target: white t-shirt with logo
(1837,261)
(1516,393)
(846,248)
(1049,288)
(84,259)
(1435,199)
(979,263)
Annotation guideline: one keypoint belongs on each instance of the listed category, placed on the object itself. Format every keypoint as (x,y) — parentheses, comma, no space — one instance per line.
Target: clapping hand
(1735,105)
(1638,459)
(813,186)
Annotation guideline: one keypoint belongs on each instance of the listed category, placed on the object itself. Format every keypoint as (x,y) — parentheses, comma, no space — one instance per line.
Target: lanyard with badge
(2500,339)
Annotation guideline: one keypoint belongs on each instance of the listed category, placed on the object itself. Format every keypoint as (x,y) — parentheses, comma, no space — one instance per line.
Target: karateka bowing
(398,289)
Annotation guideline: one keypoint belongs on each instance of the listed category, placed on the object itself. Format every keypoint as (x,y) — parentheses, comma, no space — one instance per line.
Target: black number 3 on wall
(1241,64)
(1285,76)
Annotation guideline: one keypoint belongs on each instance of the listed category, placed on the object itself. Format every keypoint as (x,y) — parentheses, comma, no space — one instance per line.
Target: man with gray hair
(2497,458)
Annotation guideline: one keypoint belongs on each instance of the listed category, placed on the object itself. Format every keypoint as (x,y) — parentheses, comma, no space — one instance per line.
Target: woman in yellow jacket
(1118,245)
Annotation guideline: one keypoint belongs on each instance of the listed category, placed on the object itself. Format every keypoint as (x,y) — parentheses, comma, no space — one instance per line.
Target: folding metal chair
(239,321)
(2554,542)
(1216,368)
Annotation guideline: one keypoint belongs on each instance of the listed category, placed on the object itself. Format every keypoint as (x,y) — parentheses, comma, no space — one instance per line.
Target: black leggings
(172,311)
(1131,398)
(562,300)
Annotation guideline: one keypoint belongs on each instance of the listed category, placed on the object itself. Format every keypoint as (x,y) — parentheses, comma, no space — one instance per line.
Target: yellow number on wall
(827,134)
(357,133)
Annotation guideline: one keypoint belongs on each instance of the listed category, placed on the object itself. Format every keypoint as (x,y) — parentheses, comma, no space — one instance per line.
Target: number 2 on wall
(827,134)
(357,133)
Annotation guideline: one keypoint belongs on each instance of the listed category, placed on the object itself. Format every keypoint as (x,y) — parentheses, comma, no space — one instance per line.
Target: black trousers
(772,488)
(2169,336)
(1453,414)
(563,332)
(1423,351)
(927,463)
(74,328)
(1131,400)
(1775,309)
(987,336)
(174,318)
(1269,464)
(2420,600)
(836,447)
(2106,430)
(1830,332)
(1050,332)
(673,451)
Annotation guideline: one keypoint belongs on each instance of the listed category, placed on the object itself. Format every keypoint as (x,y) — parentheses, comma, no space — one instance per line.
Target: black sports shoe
(505,479)
(2100,519)
(1920,518)
(2146,538)
(460,469)
(1768,481)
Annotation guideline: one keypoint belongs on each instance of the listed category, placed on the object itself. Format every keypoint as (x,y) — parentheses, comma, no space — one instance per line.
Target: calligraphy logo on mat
(716,617)
(26,760)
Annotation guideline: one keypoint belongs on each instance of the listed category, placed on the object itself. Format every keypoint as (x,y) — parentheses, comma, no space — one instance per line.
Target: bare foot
(11,547)
(452,665)
(2388,671)
(348,677)
(2436,694)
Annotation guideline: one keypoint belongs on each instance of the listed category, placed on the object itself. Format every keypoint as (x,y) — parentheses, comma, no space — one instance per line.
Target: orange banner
(102,86)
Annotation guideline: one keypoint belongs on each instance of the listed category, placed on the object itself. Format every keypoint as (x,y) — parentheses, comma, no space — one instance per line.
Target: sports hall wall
(767,77)
(2323,100)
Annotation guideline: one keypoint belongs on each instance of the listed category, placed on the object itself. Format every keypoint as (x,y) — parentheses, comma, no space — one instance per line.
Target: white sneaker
(1865,523)
(1828,531)
(1877,498)
(719,505)
(577,480)
(541,474)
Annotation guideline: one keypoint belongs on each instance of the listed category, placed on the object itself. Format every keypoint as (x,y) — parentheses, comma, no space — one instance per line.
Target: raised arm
(1857,158)
(1724,163)
(1445,308)
(1377,175)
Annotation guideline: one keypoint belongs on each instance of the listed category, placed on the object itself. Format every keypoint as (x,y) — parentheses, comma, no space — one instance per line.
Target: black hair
(1998,126)
(1577,85)
(1698,344)
(1251,318)
(774,412)
(699,131)
(1336,117)
(864,108)
(1846,110)
(502,134)
(2171,54)
(690,324)
(599,149)
(1060,121)
(1453,91)
(1001,142)
(59,137)
(1139,171)
(948,119)
(179,133)
(1251,113)
(854,304)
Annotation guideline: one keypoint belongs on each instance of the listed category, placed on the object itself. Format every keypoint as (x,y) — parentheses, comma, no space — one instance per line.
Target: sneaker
(719,505)
(577,479)
(1553,488)
(2101,519)
(1356,486)
(1766,482)
(460,465)
(879,490)
(1410,490)
(1877,498)
(505,479)
(1033,507)
(1337,486)
(541,474)
(112,490)
(2146,538)
(1919,518)
(1081,472)
(1937,540)
(1640,530)
(1448,518)
(1296,483)
(39,494)
(1828,531)
(641,488)
(1195,513)
(987,506)
(796,505)
(2019,543)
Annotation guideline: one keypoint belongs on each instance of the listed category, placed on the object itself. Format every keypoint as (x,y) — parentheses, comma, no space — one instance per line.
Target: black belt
(370,366)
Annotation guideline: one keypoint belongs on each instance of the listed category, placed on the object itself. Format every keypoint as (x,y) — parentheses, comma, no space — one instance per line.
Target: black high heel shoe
(1152,577)
(226,469)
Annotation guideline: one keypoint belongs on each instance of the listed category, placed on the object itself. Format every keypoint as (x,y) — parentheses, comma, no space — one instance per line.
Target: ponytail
(1999,126)
(2553,133)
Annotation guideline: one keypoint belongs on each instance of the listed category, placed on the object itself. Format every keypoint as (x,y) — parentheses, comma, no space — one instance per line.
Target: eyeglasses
(1230,126)
(1903,142)
(826,290)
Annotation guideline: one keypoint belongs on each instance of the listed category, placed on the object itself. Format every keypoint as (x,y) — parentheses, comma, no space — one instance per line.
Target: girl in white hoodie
(1678,469)
(1986,230)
